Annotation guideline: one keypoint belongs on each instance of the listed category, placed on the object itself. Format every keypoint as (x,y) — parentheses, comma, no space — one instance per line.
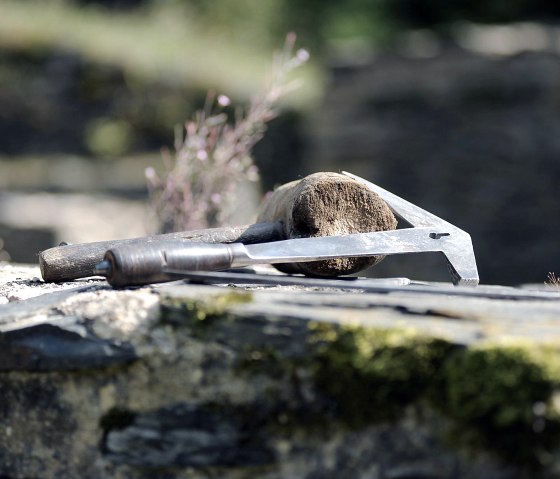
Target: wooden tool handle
(65,263)
(326,204)
(322,204)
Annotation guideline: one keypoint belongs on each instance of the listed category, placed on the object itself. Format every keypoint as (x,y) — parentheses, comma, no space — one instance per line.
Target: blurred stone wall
(58,102)
(75,139)
(473,138)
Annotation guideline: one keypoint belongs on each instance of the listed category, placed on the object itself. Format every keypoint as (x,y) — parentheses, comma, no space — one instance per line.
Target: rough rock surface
(327,204)
(199,381)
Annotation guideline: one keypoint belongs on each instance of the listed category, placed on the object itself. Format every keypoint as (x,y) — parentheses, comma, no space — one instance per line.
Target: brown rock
(327,204)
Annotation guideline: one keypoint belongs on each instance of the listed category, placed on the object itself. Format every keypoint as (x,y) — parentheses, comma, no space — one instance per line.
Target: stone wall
(208,381)
(473,138)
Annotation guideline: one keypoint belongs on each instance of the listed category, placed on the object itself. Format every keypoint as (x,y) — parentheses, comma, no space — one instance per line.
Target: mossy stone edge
(498,398)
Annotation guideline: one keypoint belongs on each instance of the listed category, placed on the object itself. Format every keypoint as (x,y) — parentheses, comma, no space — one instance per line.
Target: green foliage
(320,24)
(84,80)
(106,137)
(246,22)
(151,36)
(159,42)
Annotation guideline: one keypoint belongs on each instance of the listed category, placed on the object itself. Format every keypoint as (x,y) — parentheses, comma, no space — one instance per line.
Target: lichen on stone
(498,398)
(372,375)
(493,398)
(206,308)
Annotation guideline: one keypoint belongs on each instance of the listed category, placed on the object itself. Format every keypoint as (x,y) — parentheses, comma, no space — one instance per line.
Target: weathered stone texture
(193,381)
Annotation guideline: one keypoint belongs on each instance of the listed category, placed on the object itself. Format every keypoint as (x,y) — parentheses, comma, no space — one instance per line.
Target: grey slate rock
(191,381)
(45,347)
(186,435)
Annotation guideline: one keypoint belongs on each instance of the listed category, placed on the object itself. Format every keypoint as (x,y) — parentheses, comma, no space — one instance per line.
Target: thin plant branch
(553,280)
(214,157)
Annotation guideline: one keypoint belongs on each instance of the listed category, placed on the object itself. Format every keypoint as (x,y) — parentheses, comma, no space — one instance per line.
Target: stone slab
(194,381)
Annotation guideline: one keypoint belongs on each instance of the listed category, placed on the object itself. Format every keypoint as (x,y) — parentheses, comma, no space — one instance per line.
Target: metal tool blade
(145,263)
(458,249)
(409,240)
(253,279)
(404,209)
(148,263)
(366,285)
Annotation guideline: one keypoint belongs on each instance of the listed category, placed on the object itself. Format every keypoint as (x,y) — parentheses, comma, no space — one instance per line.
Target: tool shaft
(65,263)
(410,240)
(137,264)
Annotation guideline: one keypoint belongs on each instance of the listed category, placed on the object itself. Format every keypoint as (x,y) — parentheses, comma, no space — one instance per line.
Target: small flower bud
(223,100)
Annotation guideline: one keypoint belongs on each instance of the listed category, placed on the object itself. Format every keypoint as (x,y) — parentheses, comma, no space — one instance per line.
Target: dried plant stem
(553,280)
(215,156)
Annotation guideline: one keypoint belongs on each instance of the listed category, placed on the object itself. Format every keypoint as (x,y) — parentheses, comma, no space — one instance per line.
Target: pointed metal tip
(103,269)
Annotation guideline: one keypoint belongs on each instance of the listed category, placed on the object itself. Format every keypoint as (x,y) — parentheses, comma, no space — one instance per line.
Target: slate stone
(186,435)
(190,381)
(45,347)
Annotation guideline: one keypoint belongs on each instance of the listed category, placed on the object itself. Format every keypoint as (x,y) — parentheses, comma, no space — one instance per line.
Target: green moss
(253,361)
(499,398)
(371,375)
(363,376)
(181,310)
(496,398)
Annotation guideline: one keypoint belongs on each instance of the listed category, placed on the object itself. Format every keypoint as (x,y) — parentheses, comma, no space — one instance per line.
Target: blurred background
(454,106)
